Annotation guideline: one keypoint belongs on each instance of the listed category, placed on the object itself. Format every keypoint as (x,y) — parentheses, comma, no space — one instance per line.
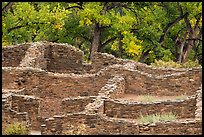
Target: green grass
(156,118)
(17,128)
(147,98)
(180,97)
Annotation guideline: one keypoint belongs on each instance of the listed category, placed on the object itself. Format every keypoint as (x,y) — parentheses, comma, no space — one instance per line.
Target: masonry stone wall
(113,88)
(53,84)
(64,58)
(198,112)
(124,109)
(56,57)
(10,116)
(12,55)
(102,60)
(185,83)
(6,101)
(75,97)
(103,125)
(78,104)
(140,83)
(60,125)
(29,104)
(130,127)
(35,57)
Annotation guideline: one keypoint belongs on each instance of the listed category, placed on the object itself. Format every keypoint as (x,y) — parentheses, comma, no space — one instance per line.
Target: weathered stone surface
(48,86)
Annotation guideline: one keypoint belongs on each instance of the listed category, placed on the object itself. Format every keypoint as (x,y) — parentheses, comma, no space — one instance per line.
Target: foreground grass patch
(181,97)
(17,128)
(146,98)
(156,118)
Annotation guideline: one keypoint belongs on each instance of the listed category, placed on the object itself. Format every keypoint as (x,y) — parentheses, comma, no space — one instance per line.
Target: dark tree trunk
(144,55)
(192,36)
(96,40)
(180,60)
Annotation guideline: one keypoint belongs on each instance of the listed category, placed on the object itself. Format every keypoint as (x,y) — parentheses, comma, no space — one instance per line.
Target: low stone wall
(114,126)
(124,109)
(102,60)
(169,85)
(80,123)
(69,84)
(29,104)
(13,91)
(141,83)
(6,101)
(73,105)
(191,127)
(12,55)
(60,125)
(64,58)
(54,57)
(113,88)
(10,116)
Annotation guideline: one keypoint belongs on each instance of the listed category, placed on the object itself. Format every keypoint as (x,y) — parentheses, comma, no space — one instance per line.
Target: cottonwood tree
(143,31)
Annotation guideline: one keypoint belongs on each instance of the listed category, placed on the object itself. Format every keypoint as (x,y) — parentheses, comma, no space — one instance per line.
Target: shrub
(191,64)
(156,118)
(172,64)
(17,128)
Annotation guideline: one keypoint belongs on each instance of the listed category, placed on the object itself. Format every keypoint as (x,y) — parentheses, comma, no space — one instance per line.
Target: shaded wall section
(12,55)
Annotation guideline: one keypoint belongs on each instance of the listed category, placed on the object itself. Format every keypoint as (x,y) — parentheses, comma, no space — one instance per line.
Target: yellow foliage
(58,26)
(172,64)
(114,47)
(124,32)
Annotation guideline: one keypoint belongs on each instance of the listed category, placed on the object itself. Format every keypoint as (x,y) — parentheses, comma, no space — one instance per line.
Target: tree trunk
(192,36)
(182,47)
(186,54)
(96,40)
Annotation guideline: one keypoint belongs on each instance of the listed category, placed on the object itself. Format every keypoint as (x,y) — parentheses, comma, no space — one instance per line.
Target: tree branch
(180,8)
(197,22)
(108,41)
(7,7)
(16,27)
(195,39)
(171,24)
(79,7)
